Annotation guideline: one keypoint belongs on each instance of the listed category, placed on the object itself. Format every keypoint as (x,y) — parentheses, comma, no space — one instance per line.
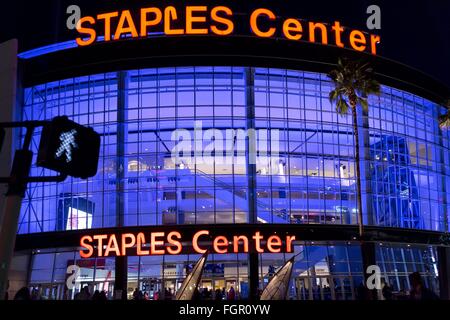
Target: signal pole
(17,185)
(65,147)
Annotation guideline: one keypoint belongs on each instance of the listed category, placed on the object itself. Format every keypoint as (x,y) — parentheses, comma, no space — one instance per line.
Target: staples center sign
(217,21)
(160,243)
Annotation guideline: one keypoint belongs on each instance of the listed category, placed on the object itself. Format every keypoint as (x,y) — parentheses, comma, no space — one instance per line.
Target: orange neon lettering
(112,246)
(170,13)
(141,241)
(154,242)
(358,40)
(191,19)
(289,240)
(312,32)
(127,244)
(107,17)
(236,240)
(292,29)
(84,30)
(84,243)
(220,244)
(374,40)
(254,22)
(227,22)
(173,242)
(258,237)
(99,238)
(195,241)
(148,23)
(274,244)
(338,32)
(125,19)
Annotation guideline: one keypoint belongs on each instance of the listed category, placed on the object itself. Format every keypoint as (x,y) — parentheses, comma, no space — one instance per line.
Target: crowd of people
(199,294)
(25,294)
(139,295)
(218,294)
(418,291)
(85,294)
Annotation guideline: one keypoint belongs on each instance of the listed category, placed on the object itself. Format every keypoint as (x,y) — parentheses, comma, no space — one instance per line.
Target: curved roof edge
(65,60)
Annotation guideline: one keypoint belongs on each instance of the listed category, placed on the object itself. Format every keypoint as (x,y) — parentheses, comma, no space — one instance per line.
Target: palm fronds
(353,83)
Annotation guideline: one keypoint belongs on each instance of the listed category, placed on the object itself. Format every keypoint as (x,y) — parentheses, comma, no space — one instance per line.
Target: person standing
(418,289)
(84,294)
(136,294)
(387,291)
(231,294)
(23,294)
(218,295)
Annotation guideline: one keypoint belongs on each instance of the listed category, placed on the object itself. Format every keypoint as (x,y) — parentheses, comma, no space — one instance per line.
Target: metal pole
(10,219)
(11,212)
(8,238)
(253,258)
(444,272)
(18,180)
(121,263)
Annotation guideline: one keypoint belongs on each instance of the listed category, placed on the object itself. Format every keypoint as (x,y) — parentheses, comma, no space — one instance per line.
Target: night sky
(414,32)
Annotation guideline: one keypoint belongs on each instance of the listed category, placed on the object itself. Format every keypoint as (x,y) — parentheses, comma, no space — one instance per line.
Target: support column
(121,263)
(253,258)
(368,256)
(444,270)
(442,183)
(19,272)
(121,278)
(9,98)
(8,103)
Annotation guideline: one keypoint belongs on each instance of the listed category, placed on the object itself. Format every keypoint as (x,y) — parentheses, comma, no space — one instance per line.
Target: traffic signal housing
(69,148)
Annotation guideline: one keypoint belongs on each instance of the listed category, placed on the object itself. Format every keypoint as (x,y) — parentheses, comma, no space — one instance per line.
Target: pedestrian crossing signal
(69,148)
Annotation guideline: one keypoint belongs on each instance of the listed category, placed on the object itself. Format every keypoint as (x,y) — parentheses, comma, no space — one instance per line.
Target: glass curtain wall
(321,271)
(305,171)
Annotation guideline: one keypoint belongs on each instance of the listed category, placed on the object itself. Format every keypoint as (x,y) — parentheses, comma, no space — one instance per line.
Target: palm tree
(444,120)
(353,83)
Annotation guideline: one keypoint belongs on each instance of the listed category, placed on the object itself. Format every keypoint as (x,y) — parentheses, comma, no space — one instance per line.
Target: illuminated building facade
(309,190)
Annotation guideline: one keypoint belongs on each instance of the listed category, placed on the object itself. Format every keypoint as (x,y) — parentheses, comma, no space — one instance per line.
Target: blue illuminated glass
(405,167)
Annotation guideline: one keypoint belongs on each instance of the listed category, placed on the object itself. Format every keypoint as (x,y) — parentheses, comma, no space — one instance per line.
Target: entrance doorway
(48,291)
(324,288)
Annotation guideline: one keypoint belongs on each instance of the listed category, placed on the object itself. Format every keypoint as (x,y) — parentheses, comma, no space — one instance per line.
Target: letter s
(87,246)
(173,242)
